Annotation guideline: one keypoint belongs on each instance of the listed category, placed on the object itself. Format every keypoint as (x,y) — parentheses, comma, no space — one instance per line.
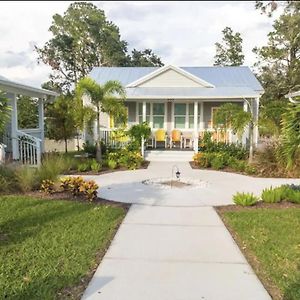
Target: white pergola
(12,90)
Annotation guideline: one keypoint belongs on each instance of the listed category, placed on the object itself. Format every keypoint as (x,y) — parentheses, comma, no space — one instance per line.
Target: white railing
(29,149)
(110,138)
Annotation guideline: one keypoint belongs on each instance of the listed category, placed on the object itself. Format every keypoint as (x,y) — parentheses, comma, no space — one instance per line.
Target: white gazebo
(25,145)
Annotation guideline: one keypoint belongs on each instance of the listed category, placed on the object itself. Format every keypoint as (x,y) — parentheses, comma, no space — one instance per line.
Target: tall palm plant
(108,98)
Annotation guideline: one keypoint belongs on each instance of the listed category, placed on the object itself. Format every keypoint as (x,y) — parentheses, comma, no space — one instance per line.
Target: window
(158,115)
(147,113)
(179,115)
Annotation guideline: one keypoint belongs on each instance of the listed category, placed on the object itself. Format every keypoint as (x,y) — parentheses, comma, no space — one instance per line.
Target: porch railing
(29,149)
(111,138)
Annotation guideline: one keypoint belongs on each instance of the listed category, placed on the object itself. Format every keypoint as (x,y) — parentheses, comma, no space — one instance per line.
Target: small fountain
(176,182)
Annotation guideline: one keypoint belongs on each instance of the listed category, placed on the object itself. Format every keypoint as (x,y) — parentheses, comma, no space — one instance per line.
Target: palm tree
(107,98)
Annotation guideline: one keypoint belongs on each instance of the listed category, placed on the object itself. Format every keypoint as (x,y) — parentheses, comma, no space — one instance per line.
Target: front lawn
(270,239)
(49,247)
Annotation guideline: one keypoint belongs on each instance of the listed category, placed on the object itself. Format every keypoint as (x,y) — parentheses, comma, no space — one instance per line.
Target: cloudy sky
(181,33)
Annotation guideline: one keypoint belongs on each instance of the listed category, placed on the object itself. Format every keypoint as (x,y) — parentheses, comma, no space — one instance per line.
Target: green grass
(47,245)
(273,237)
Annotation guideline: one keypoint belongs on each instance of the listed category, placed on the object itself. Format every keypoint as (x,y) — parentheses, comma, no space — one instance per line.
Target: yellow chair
(176,137)
(160,136)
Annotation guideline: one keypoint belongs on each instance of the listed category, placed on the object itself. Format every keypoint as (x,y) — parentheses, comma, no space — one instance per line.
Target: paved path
(172,245)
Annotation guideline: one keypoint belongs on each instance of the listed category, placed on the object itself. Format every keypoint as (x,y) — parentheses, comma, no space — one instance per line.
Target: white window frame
(187,116)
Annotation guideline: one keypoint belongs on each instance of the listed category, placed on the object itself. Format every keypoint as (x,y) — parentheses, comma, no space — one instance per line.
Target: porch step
(169,155)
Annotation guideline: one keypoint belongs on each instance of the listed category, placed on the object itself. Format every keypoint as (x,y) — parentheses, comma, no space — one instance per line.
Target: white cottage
(181,101)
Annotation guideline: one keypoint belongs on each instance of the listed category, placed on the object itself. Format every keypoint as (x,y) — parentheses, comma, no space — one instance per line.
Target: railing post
(38,153)
(143,146)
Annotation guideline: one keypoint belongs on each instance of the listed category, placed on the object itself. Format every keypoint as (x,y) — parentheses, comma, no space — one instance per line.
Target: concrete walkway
(172,245)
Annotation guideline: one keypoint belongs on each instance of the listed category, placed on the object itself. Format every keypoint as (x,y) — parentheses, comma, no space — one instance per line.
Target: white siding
(170,78)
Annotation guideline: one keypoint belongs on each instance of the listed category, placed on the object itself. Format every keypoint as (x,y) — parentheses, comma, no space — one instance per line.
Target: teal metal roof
(228,81)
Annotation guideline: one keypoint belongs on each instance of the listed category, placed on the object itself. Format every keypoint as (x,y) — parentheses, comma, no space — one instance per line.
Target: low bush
(95,166)
(7,179)
(26,178)
(77,186)
(206,144)
(245,199)
(218,162)
(83,167)
(293,196)
(112,164)
(47,186)
(272,195)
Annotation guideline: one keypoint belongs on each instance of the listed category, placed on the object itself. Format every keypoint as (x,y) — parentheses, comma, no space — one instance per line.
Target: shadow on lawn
(32,219)
(292,292)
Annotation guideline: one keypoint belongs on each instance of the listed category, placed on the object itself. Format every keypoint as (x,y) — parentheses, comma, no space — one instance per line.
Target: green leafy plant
(272,195)
(83,167)
(75,184)
(95,166)
(293,196)
(245,199)
(89,189)
(7,179)
(136,132)
(26,178)
(218,162)
(112,164)
(47,186)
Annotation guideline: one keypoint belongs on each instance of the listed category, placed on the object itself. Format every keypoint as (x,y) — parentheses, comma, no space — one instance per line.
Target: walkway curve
(172,245)
(127,186)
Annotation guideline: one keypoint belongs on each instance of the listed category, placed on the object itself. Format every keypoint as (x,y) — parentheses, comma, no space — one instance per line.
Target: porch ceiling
(190,93)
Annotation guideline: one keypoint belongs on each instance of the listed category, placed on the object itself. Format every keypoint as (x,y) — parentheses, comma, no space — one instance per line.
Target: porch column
(41,122)
(196,134)
(14,127)
(201,116)
(255,129)
(246,131)
(144,111)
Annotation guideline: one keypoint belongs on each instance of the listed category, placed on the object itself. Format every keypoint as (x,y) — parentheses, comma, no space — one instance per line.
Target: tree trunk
(66,145)
(98,142)
(251,147)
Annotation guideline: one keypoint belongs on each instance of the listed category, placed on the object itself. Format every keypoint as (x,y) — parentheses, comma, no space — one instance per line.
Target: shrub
(89,189)
(75,184)
(65,183)
(95,166)
(83,167)
(204,159)
(112,164)
(136,132)
(89,148)
(47,186)
(249,169)
(218,162)
(7,179)
(245,199)
(272,195)
(26,178)
(293,196)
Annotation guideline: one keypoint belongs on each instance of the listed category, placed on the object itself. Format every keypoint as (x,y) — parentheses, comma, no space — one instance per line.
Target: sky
(182,33)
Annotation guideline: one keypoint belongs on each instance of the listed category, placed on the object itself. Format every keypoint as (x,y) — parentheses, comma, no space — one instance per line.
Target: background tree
(61,123)
(4,111)
(229,52)
(145,58)
(28,115)
(107,98)
(82,39)
(278,62)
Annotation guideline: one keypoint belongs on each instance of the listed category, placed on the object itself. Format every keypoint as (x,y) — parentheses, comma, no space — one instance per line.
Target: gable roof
(232,82)
(20,88)
(161,70)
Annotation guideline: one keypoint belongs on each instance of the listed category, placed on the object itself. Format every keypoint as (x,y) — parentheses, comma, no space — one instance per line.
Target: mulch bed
(259,205)
(257,175)
(144,165)
(61,195)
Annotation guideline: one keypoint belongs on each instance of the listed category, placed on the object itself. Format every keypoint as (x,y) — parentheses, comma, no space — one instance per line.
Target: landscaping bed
(51,248)
(269,237)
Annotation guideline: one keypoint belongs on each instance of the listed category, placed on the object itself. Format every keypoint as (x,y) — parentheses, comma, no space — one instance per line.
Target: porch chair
(188,140)
(176,137)
(160,136)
